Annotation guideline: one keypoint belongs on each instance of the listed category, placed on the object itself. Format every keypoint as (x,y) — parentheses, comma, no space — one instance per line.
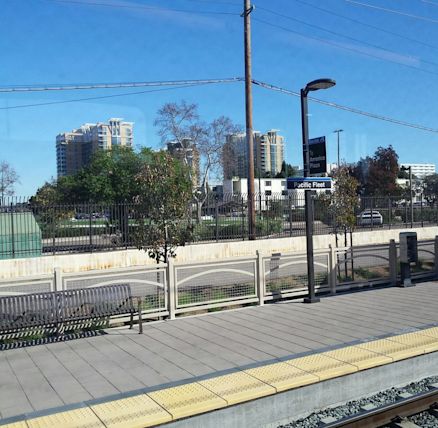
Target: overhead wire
(144,7)
(262,84)
(345,108)
(341,46)
(365,24)
(393,11)
(341,35)
(101,97)
(88,86)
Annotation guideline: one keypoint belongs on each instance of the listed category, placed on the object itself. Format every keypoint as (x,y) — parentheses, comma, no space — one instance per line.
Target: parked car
(368,218)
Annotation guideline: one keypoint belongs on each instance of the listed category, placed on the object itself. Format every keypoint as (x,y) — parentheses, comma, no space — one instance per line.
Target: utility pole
(248,109)
(338,131)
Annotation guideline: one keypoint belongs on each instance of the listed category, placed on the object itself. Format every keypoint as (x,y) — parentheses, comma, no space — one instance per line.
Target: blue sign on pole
(309,183)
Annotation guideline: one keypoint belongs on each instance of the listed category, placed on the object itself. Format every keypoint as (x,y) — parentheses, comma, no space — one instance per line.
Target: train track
(392,414)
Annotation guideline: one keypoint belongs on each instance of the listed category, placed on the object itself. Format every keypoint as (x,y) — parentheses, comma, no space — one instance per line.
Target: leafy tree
(200,144)
(377,176)
(383,172)
(287,170)
(431,188)
(344,201)
(162,206)
(8,178)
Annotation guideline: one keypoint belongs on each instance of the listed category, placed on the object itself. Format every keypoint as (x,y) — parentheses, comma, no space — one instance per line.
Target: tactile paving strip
(20,424)
(417,340)
(83,418)
(283,376)
(187,400)
(139,411)
(322,366)
(361,358)
(390,348)
(238,387)
(432,332)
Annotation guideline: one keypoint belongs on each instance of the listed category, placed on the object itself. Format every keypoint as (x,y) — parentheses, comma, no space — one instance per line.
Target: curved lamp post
(314,85)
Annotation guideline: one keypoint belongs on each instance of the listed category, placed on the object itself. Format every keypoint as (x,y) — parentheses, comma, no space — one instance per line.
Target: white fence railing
(168,290)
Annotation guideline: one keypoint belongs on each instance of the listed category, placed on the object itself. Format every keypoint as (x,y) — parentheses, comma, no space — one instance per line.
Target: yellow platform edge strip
(194,398)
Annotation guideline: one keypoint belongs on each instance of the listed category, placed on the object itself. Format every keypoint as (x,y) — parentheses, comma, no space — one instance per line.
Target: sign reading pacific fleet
(317,156)
(309,183)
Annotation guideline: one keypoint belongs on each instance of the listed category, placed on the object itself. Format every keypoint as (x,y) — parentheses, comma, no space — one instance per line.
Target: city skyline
(138,45)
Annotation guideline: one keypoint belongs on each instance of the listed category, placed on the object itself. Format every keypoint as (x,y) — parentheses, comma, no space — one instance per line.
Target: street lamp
(338,131)
(315,85)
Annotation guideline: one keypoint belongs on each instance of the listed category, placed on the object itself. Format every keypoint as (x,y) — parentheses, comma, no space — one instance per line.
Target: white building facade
(420,170)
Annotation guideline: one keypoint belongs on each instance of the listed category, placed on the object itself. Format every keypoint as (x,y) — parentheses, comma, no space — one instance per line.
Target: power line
(144,7)
(394,11)
(125,94)
(365,24)
(255,82)
(341,35)
(340,46)
(87,86)
(345,108)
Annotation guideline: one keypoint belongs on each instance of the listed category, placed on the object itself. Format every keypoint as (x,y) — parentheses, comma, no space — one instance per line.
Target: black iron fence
(28,229)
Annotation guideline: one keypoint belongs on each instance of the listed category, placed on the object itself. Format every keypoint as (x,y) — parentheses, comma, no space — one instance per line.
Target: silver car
(365,218)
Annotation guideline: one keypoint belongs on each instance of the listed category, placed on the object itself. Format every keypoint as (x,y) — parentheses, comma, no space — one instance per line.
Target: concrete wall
(16,268)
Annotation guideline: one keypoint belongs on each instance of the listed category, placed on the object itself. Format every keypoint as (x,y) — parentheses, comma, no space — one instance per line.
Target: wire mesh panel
(149,284)
(27,286)
(215,282)
(362,264)
(289,273)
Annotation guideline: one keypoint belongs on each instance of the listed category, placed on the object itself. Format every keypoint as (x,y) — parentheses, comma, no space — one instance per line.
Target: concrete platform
(196,350)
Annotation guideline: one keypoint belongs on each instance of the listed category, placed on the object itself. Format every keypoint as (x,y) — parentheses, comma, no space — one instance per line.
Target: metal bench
(60,310)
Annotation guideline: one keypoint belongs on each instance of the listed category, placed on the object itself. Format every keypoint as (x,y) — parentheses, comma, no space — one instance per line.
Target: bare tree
(200,144)
(8,177)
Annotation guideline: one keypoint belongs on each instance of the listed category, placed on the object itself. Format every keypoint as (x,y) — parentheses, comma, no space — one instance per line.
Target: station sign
(309,183)
(317,156)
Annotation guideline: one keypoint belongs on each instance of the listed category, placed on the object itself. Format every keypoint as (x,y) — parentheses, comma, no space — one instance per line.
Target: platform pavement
(122,362)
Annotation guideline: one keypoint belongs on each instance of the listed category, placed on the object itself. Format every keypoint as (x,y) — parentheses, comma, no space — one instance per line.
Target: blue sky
(46,41)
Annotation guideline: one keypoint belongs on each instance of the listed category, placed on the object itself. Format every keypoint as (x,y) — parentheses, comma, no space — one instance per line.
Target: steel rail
(386,414)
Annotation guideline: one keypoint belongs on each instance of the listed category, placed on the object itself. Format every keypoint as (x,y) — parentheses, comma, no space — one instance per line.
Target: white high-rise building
(268,154)
(75,149)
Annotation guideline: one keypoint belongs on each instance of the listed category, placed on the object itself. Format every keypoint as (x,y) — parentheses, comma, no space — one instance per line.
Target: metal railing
(28,229)
(172,289)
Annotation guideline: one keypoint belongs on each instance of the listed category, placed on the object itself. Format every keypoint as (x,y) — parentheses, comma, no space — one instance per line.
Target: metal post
(260,279)
(421,210)
(290,216)
(393,262)
(338,131)
(216,214)
(90,229)
(243,220)
(436,256)
(389,212)
(332,268)
(410,193)
(248,109)
(171,288)
(12,231)
(308,202)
